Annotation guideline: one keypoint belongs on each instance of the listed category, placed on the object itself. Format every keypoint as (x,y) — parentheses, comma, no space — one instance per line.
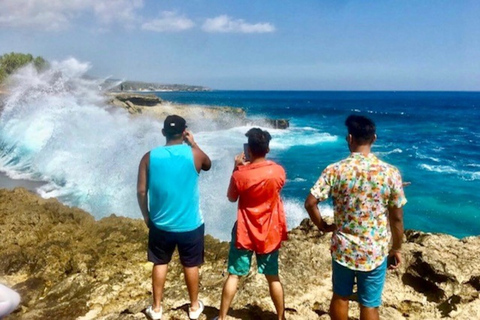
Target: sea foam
(465,175)
(298,136)
(56,127)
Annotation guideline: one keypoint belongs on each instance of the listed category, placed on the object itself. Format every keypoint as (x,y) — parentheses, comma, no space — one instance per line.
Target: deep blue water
(432,137)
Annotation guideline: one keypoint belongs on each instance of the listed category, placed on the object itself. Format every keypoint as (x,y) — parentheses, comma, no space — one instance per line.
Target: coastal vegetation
(10,62)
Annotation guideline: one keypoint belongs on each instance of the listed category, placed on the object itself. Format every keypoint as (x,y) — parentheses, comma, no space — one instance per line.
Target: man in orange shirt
(261,225)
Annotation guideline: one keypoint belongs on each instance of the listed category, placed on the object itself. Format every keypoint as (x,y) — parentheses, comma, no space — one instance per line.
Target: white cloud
(169,22)
(58,14)
(226,24)
(123,11)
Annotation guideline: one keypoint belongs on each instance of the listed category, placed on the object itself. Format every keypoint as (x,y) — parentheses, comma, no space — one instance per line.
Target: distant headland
(120,85)
(11,62)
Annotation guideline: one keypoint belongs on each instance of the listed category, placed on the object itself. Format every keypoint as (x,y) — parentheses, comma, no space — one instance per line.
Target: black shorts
(161,245)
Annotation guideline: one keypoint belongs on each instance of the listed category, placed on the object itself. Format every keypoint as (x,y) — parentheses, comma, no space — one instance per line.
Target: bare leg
(276,292)
(159,275)
(192,281)
(369,313)
(229,290)
(339,307)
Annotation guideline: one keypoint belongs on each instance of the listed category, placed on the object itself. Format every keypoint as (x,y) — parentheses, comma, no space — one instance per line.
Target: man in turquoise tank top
(168,196)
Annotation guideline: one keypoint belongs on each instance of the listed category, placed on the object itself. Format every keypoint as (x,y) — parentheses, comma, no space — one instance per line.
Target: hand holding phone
(393,260)
(239,160)
(245,152)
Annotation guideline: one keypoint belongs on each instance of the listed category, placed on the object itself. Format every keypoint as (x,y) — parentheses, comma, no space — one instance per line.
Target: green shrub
(10,62)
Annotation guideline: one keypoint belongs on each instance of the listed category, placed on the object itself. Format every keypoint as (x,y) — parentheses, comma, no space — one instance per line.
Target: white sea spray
(56,127)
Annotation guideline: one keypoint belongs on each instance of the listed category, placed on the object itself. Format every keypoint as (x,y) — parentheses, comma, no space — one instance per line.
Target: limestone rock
(144,100)
(66,265)
(196,115)
(131,108)
(278,123)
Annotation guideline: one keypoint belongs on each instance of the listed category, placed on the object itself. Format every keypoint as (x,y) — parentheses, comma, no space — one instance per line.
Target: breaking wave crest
(57,128)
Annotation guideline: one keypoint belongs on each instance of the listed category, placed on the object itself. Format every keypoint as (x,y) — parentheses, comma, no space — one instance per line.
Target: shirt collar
(359,155)
(256,165)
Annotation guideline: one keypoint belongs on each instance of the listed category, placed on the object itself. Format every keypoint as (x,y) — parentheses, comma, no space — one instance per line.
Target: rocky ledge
(221,117)
(66,265)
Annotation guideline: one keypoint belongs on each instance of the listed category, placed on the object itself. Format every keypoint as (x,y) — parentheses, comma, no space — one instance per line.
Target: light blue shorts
(369,283)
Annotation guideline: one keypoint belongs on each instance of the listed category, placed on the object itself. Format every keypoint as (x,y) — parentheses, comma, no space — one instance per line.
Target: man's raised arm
(202,161)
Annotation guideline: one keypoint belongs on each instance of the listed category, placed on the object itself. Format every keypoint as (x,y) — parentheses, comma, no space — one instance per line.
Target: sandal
(196,314)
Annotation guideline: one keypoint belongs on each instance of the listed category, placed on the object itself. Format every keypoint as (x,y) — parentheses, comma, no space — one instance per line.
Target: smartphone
(391,261)
(245,152)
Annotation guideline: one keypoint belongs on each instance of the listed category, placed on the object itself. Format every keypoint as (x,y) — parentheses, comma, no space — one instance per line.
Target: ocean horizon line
(333,90)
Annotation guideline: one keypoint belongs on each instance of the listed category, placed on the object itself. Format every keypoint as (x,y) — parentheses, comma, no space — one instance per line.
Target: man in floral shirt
(368,198)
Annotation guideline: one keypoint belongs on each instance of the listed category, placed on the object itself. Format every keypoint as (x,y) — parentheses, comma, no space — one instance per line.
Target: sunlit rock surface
(221,117)
(66,265)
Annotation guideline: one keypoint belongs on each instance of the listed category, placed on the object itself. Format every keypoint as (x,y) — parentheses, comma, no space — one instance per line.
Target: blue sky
(266,45)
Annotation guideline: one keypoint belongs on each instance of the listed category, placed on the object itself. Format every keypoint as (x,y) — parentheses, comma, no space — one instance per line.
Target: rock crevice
(66,265)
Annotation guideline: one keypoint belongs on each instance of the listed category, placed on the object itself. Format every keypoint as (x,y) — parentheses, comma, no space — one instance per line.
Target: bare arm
(395,217)
(311,205)
(142,187)
(202,161)
(232,193)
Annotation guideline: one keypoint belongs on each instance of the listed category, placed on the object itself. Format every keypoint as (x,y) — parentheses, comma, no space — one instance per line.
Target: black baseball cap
(174,124)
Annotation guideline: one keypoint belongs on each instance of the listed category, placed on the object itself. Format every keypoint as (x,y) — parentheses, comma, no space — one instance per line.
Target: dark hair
(258,141)
(361,128)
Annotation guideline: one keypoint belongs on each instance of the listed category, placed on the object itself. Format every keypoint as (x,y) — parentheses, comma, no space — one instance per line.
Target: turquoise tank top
(173,195)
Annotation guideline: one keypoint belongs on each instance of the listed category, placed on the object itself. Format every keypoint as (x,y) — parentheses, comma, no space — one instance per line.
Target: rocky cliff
(219,117)
(66,265)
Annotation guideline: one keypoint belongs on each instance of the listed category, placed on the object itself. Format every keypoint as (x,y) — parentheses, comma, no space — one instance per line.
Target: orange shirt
(261,223)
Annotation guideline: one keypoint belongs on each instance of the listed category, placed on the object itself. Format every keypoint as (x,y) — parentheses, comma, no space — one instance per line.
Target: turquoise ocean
(57,129)
(432,137)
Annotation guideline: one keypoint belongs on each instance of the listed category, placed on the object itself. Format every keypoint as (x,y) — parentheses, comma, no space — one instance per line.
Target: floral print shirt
(362,188)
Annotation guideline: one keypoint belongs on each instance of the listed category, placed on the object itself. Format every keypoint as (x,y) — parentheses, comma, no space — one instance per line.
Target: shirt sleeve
(321,188)
(282,176)
(232,192)
(397,195)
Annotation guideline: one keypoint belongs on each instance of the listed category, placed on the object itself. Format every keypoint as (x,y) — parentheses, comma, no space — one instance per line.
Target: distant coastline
(139,86)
